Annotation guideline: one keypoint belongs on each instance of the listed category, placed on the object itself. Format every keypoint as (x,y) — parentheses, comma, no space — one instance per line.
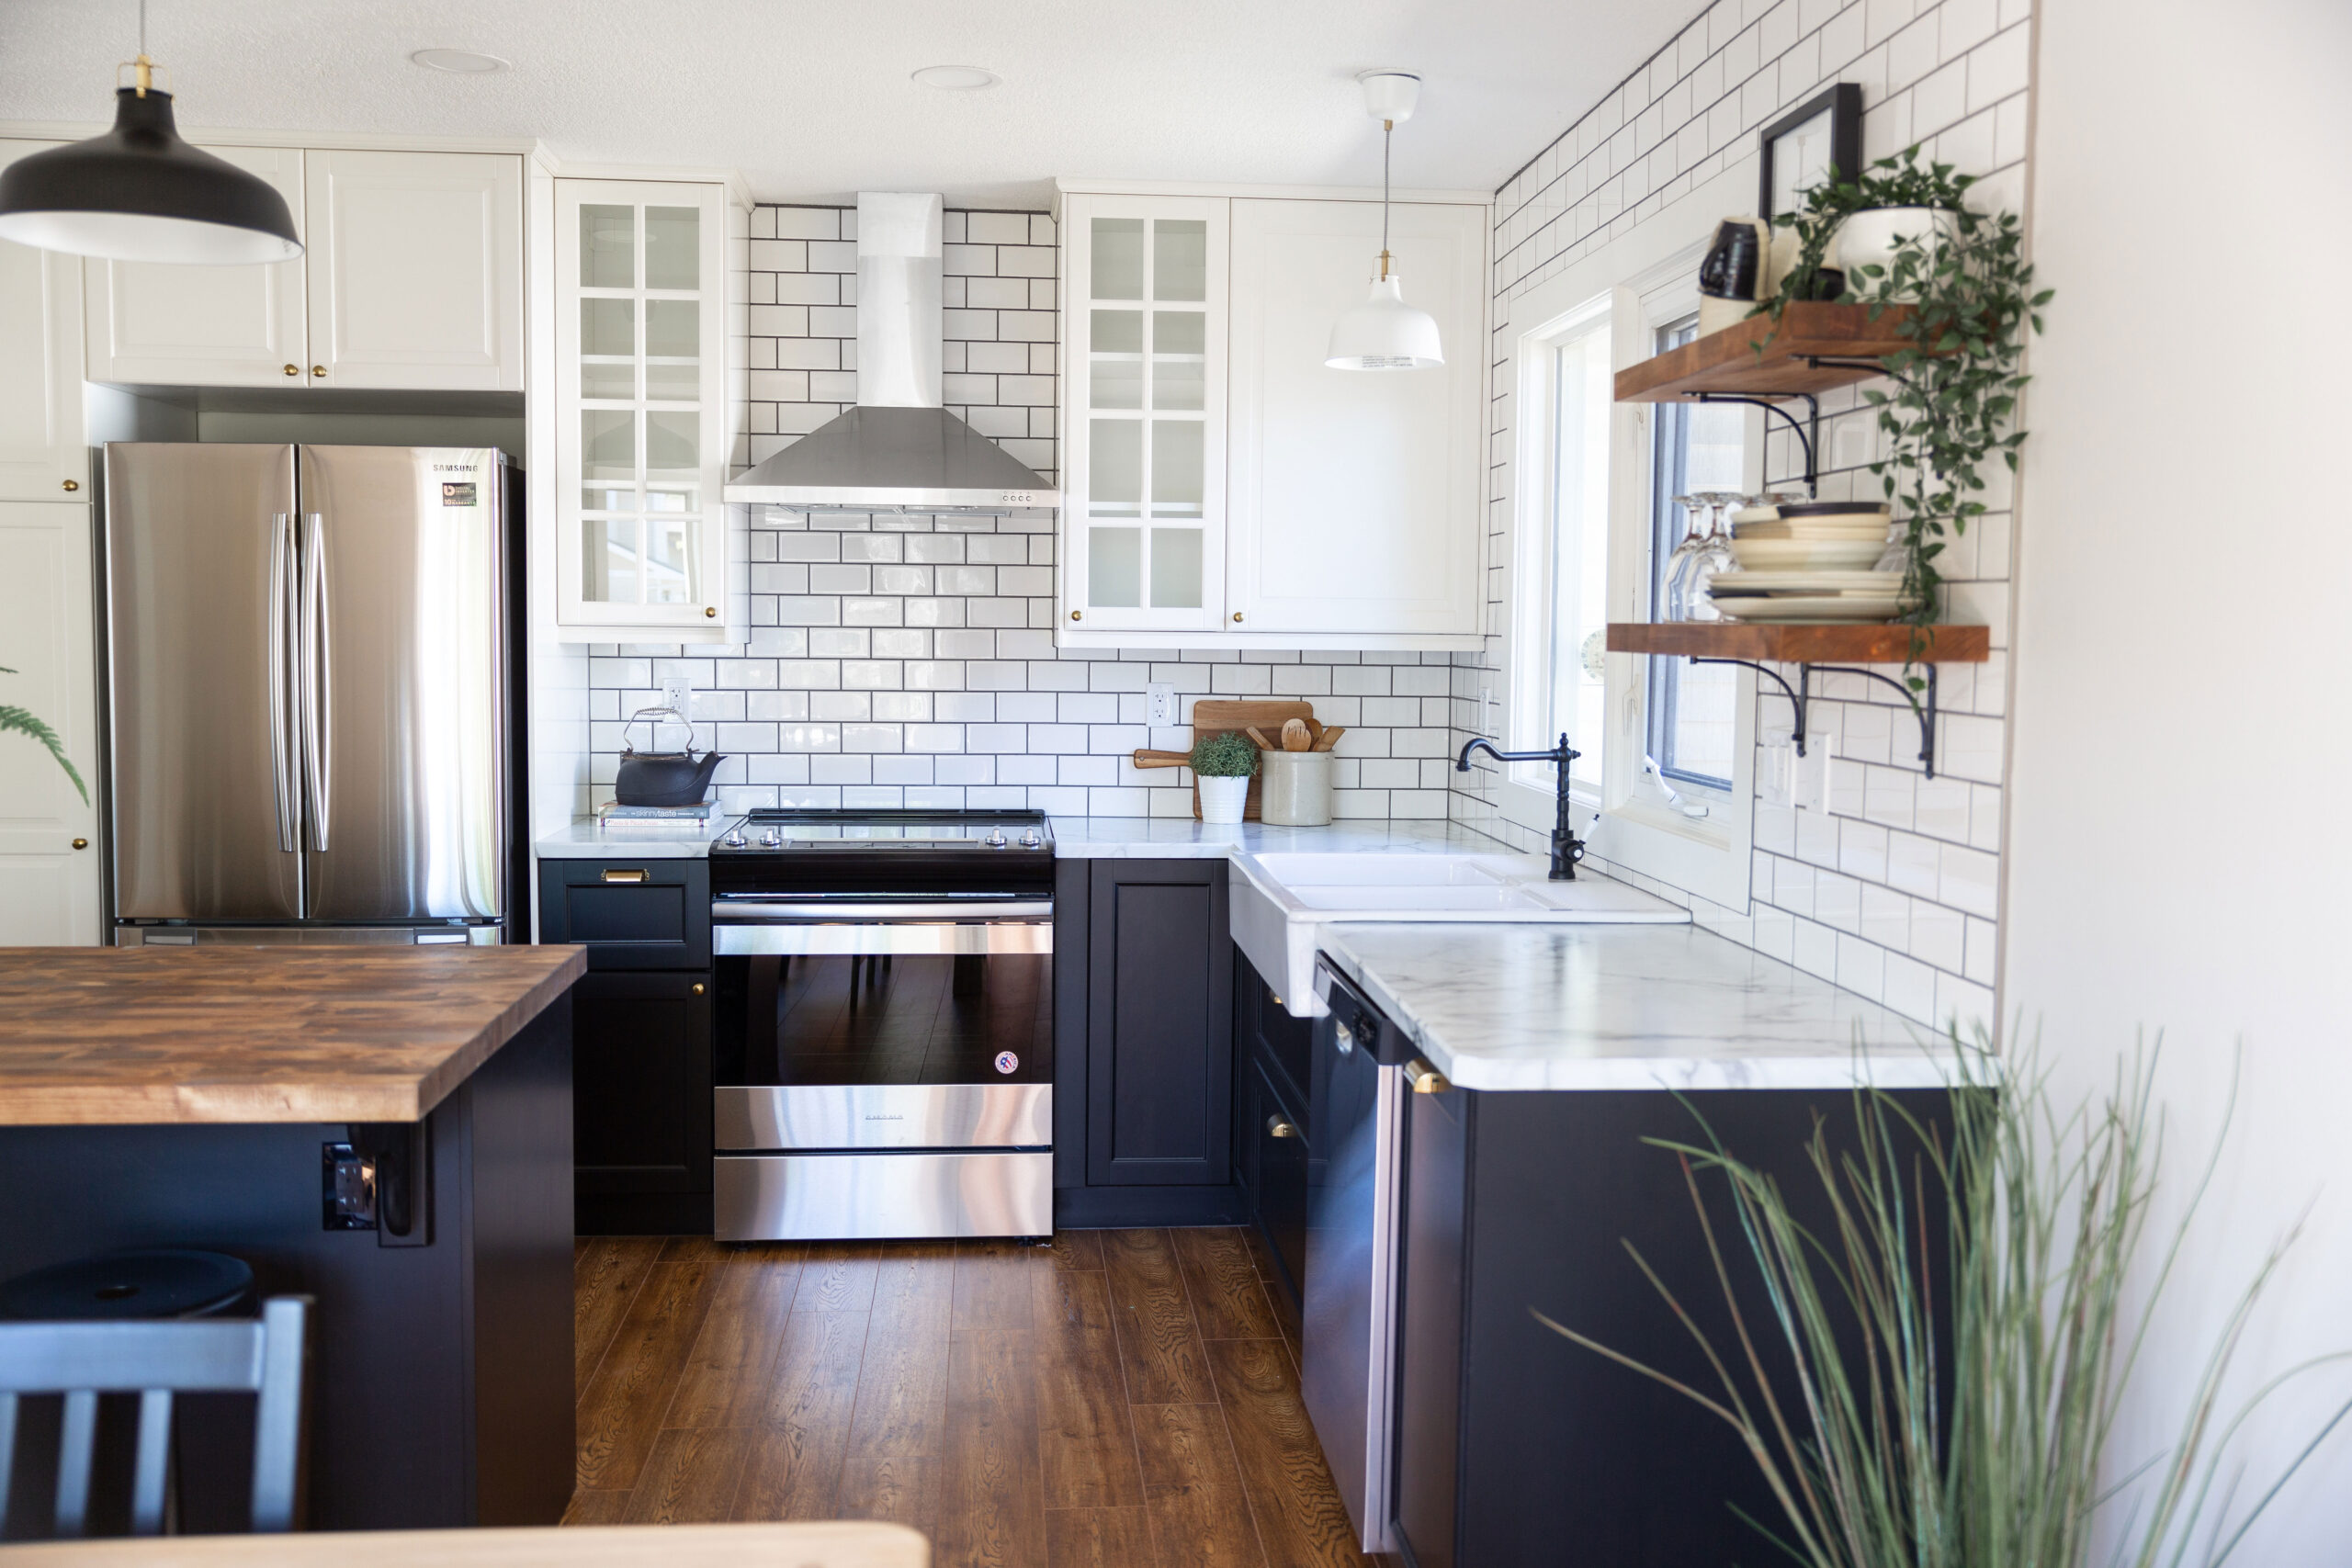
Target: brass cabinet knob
(318,369)
(293,371)
(1425,1079)
(1236,615)
(81,843)
(710,612)
(73,484)
(698,987)
(1077,614)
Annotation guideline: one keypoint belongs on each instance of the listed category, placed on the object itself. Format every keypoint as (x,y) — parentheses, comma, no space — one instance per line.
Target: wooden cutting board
(1223,716)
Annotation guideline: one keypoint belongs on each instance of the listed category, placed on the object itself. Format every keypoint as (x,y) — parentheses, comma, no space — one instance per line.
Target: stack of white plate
(1814,561)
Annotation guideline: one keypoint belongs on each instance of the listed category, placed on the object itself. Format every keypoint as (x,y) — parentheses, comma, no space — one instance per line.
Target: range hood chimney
(898,449)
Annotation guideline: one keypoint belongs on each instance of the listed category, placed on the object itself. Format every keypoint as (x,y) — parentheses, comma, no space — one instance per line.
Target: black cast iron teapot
(662,778)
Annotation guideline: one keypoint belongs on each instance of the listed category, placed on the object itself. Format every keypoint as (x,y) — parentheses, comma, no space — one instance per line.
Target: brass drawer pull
(318,369)
(614,873)
(1278,1128)
(293,371)
(73,485)
(1425,1079)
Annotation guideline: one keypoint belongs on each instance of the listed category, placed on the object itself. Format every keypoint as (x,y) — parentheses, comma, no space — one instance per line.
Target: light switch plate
(1159,705)
(1775,770)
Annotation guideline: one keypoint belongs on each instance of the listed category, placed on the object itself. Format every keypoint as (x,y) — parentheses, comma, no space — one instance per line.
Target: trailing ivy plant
(22,721)
(1953,398)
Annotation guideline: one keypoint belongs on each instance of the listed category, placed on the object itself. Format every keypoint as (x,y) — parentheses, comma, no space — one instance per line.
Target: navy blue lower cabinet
(1514,1445)
(1142,1045)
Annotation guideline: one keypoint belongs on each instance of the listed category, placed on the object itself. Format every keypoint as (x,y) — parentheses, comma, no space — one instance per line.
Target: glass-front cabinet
(642,435)
(1143,413)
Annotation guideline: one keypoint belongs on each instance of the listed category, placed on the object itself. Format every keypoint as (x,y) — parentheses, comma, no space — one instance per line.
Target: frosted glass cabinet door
(1144,496)
(165,324)
(415,270)
(1356,501)
(639,437)
(43,454)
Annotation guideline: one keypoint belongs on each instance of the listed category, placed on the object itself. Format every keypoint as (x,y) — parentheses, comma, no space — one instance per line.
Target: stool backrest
(267,1357)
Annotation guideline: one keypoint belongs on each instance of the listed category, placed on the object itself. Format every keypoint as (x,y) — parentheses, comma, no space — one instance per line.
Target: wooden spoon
(1258,736)
(1295,736)
(1330,738)
(1145,758)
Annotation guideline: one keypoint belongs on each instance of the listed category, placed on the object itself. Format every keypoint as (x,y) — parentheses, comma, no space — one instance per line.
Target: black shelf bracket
(1923,702)
(1808,434)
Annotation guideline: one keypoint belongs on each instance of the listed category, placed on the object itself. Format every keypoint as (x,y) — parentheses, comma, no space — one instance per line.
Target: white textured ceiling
(810,97)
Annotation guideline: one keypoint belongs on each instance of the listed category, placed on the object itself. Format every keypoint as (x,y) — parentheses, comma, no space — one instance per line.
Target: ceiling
(810,98)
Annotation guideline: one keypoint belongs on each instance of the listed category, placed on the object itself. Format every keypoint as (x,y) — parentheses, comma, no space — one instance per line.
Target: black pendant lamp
(138,193)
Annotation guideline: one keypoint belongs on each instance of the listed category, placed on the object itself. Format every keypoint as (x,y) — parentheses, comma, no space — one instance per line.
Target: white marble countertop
(586,840)
(1593,1007)
(1083,838)
(1180,837)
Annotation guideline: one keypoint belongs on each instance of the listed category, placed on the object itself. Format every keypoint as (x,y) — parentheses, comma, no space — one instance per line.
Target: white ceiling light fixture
(457,61)
(956,78)
(1384,333)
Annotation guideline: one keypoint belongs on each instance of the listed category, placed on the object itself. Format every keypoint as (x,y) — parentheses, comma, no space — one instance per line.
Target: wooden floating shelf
(1803,644)
(1727,361)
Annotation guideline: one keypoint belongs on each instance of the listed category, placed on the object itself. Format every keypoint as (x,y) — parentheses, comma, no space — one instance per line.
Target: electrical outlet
(1775,772)
(1812,791)
(1159,705)
(677,692)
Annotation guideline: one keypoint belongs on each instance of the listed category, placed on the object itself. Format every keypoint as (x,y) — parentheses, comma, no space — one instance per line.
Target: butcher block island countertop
(98,1036)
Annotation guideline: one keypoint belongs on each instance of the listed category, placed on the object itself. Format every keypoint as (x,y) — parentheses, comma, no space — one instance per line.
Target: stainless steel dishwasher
(1350,1318)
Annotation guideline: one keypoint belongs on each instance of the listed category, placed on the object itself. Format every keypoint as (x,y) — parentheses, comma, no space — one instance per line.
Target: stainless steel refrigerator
(312,702)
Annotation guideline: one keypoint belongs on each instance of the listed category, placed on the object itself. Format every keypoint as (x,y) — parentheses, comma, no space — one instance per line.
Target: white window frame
(1629,821)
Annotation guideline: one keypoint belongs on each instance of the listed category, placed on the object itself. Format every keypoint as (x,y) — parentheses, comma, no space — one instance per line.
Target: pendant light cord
(143,68)
(1388,135)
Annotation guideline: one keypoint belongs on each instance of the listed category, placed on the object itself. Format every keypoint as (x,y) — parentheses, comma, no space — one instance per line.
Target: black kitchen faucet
(1566,848)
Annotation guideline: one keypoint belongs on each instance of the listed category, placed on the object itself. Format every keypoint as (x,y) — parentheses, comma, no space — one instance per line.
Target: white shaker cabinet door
(1356,497)
(161,323)
(48,855)
(43,457)
(415,270)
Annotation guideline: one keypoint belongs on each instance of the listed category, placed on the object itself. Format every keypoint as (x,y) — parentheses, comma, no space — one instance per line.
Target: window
(1562,559)
(1692,707)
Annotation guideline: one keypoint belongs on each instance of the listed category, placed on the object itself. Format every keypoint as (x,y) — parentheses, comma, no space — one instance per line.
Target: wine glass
(1714,554)
(1674,598)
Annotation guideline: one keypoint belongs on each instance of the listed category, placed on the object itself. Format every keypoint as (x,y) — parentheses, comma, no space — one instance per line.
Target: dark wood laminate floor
(1123,1399)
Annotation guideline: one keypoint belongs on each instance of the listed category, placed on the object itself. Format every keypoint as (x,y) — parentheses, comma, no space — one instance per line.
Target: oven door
(868,1023)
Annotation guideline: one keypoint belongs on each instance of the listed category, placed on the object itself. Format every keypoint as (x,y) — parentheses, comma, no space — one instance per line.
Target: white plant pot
(1871,236)
(1223,800)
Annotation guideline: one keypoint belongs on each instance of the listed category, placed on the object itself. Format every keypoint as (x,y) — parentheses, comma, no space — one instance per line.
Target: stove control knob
(996,839)
(1033,840)
(773,839)
(734,839)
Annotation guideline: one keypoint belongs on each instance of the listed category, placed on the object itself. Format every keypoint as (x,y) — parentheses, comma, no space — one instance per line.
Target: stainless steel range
(885,1061)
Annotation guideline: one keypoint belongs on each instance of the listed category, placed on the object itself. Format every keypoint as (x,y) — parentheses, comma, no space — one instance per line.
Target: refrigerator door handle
(281,630)
(317,679)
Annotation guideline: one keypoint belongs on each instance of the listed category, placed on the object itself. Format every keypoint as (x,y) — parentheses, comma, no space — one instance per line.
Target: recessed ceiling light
(457,61)
(956,78)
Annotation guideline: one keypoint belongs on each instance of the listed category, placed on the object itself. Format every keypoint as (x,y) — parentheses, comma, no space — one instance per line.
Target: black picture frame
(1843,103)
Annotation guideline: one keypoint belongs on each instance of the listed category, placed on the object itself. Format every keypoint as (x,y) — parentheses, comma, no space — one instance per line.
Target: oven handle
(847,939)
(764,912)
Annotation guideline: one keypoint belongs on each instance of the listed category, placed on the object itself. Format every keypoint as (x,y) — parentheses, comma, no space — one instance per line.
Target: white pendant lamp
(1384,333)
(138,193)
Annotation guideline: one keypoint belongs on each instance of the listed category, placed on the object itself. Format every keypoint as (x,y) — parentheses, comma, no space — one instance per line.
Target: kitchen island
(202,1098)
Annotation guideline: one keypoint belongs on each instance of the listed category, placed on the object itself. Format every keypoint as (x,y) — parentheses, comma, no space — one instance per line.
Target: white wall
(2177,856)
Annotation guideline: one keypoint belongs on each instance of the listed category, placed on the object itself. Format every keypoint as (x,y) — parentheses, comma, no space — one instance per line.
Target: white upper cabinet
(162,324)
(413,279)
(416,269)
(43,457)
(1144,413)
(1355,498)
(640,410)
(1222,486)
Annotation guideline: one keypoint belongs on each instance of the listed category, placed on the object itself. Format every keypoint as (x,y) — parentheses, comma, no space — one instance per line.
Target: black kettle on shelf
(662,778)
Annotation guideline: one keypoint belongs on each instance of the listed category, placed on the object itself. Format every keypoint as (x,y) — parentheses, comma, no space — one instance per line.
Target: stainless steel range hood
(899,448)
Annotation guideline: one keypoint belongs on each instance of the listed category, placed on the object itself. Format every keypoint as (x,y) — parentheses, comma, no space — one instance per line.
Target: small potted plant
(1222,766)
(1896,199)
